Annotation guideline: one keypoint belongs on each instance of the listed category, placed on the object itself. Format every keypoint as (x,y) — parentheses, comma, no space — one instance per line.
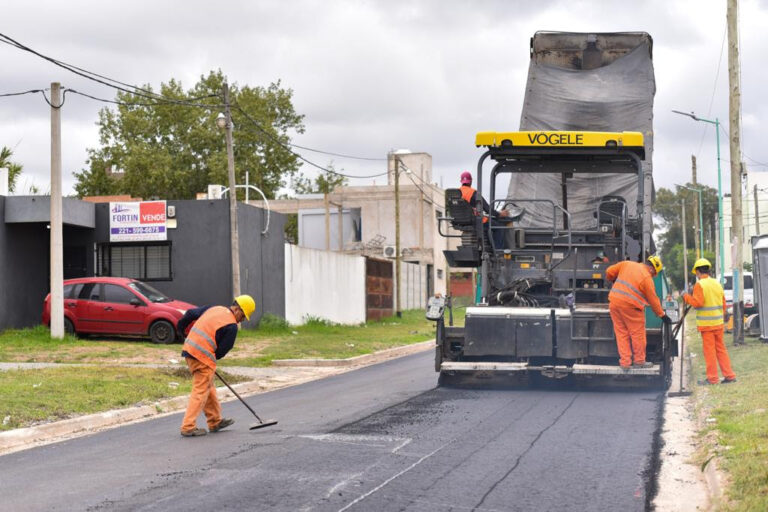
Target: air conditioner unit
(214,191)
(388,251)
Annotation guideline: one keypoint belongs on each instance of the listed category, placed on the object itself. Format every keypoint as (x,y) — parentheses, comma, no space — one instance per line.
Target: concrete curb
(23,438)
(389,353)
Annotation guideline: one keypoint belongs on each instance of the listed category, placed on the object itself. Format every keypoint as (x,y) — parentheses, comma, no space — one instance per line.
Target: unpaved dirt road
(379,438)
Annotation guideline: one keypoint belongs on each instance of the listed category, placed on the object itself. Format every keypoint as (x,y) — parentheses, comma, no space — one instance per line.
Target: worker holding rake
(211,336)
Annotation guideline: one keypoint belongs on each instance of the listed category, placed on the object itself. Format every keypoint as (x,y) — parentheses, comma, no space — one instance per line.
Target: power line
(286,146)
(31,91)
(99,78)
(714,89)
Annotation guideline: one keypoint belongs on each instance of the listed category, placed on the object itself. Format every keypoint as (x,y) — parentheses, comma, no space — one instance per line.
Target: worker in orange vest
(709,300)
(632,290)
(211,335)
(469,194)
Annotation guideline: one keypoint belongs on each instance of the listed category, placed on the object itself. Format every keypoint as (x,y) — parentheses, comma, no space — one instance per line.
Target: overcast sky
(371,76)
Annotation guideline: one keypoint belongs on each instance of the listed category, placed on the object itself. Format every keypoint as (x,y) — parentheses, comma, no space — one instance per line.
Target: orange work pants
(629,325)
(715,353)
(203,396)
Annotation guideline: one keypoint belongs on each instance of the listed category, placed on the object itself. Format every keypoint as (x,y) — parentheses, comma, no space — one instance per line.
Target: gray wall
(200,255)
(200,259)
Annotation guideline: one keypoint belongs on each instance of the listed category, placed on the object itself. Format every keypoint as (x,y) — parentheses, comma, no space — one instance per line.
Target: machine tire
(438,357)
(69,327)
(162,332)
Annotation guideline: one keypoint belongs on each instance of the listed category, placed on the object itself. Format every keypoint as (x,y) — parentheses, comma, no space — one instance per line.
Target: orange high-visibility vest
(633,286)
(201,340)
(466,193)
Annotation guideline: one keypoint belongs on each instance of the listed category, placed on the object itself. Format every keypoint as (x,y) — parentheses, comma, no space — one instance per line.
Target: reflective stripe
(630,287)
(204,336)
(718,317)
(201,349)
(641,303)
(710,308)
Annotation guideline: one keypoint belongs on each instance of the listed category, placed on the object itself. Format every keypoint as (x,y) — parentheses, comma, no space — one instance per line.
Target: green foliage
(667,208)
(673,264)
(325,183)
(273,323)
(14,169)
(174,151)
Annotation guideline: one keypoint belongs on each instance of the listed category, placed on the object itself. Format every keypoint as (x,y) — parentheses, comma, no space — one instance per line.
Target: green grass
(51,394)
(319,339)
(739,435)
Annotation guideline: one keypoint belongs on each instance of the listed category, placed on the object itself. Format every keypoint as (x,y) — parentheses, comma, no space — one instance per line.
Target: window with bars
(143,261)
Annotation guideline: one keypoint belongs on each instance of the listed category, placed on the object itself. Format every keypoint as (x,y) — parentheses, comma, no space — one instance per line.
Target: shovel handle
(238,396)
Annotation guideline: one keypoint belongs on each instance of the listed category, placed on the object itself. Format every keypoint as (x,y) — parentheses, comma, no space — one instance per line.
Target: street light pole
(716,122)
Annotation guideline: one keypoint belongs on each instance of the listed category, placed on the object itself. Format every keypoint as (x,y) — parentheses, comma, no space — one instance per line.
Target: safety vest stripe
(208,354)
(630,286)
(710,308)
(642,303)
(204,336)
(708,318)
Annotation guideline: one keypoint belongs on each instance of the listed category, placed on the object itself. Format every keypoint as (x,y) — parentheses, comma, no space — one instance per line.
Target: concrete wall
(323,284)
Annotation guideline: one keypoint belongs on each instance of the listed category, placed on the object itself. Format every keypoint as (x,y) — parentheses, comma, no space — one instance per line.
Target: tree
(14,169)
(667,208)
(174,151)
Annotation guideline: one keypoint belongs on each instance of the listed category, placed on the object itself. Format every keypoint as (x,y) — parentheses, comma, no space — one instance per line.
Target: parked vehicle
(749,302)
(118,305)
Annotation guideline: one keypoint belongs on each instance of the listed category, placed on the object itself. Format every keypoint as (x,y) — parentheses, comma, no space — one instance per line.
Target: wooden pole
(233,236)
(734,81)
(398,311)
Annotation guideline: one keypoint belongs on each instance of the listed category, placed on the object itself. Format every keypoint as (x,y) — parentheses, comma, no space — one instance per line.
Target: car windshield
(149,292)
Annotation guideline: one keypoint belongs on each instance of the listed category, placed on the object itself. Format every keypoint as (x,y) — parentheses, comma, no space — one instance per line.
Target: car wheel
(69,327)
(162,332)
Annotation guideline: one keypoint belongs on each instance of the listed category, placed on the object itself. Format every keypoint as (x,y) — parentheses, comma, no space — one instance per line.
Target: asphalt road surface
(382,438)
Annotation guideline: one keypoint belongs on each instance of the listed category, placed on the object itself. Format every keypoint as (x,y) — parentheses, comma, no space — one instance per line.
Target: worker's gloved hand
(666,319)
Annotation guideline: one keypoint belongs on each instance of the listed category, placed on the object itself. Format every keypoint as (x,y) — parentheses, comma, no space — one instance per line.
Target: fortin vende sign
(137,222)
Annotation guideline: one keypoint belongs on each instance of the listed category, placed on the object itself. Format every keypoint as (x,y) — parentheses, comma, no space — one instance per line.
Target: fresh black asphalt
(376,439)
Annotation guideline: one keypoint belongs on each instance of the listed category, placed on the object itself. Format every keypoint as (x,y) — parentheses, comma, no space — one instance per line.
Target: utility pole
(396,163)
(326,202)
(233,236)
(57,250)
(734,67)
(697,229)
(757,212)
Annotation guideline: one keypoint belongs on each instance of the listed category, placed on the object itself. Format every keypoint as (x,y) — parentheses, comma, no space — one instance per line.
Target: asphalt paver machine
(578,201)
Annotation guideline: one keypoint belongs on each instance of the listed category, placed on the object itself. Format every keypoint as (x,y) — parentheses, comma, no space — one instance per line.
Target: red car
(118,305)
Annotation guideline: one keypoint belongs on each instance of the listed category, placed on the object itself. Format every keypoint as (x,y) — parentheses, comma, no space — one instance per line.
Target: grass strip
(38,396)
(739,433)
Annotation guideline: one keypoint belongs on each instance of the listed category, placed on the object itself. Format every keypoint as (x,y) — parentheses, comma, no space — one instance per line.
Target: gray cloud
(371,76)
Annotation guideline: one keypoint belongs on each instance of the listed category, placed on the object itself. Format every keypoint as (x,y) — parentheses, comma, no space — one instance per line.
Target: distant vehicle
(749,300)
(120,306)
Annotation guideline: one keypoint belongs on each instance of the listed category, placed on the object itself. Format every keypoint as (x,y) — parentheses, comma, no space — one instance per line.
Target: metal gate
(379,287)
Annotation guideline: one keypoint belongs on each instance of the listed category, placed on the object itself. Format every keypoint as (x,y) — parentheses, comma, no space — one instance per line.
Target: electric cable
(297,155)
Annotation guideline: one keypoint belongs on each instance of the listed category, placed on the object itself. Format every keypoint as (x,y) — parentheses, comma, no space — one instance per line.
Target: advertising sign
(137,221)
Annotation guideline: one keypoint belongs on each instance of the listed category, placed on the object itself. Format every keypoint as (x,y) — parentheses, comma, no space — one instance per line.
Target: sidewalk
(282,374)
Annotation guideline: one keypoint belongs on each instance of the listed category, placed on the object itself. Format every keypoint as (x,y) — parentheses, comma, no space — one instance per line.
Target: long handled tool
(676,330)
(260,424)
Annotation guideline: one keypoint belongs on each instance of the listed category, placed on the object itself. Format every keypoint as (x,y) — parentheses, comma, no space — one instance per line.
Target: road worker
(211,335)
(469,194)
(633,289)
(709,301)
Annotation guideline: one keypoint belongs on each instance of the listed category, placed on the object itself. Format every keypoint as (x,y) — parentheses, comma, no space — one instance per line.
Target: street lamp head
(221,121)
(689,114)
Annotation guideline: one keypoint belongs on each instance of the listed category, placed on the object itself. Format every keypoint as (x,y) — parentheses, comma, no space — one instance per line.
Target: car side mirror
(135,302)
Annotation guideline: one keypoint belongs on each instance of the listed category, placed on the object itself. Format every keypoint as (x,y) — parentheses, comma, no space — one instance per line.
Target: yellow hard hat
(247,305)
(701,262)
(655,262)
